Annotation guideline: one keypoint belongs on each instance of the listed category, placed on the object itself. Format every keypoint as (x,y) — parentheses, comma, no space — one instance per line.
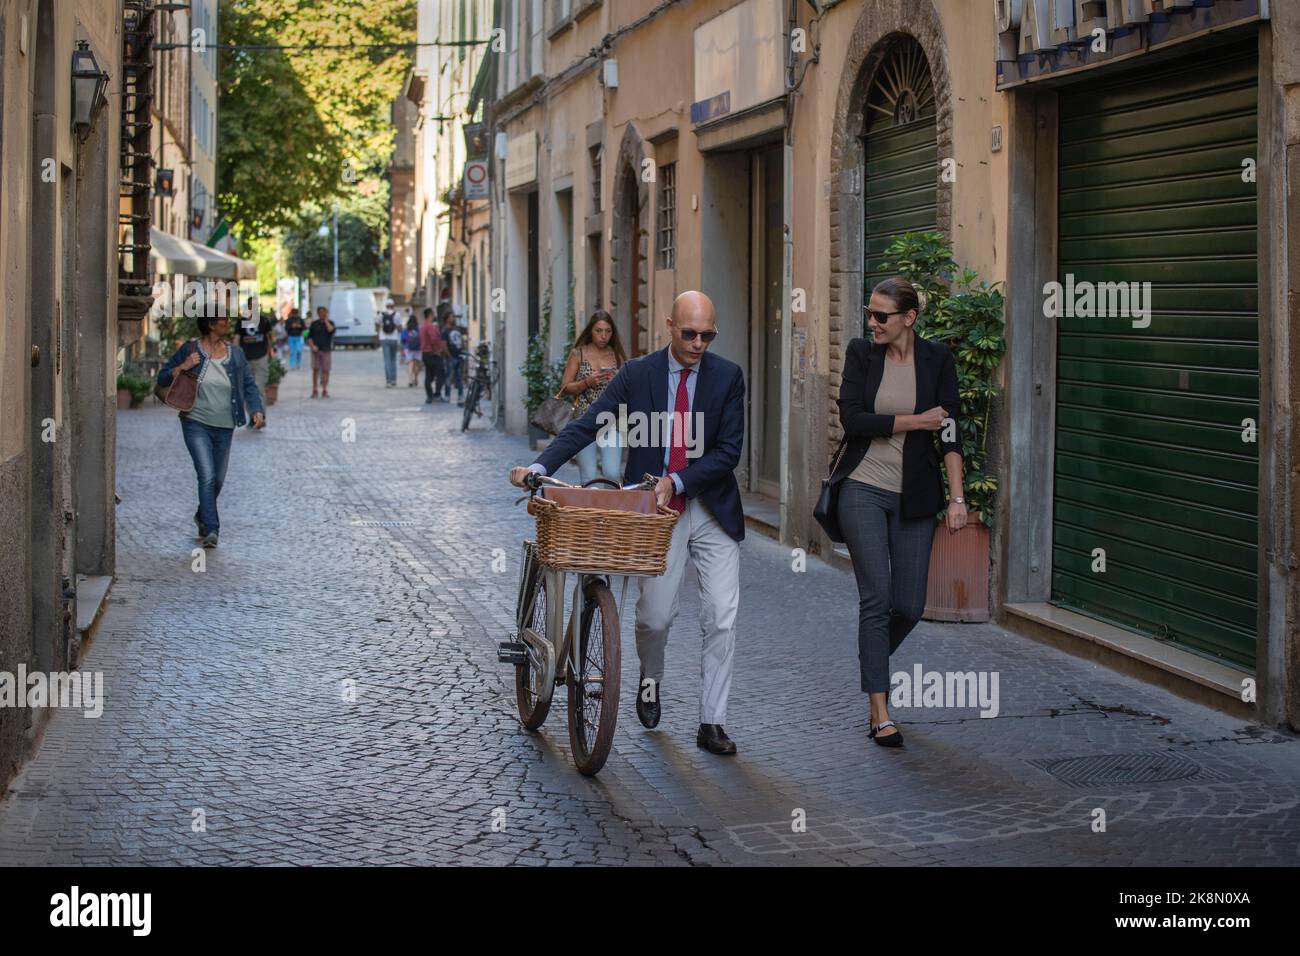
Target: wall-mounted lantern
(89,83)
(164,183)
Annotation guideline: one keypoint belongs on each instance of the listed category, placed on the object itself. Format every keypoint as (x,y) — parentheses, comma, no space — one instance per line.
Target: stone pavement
(327,692)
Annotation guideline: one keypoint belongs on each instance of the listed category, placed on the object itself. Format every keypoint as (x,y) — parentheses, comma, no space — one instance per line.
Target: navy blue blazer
(642,386)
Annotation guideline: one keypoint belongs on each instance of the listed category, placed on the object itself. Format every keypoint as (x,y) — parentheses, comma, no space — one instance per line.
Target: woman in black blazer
(898,389)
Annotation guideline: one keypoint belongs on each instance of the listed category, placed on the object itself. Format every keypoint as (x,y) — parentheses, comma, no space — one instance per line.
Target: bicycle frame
(558,647)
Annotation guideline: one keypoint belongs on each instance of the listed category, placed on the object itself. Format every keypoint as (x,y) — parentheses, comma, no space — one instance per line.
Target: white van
(355,317)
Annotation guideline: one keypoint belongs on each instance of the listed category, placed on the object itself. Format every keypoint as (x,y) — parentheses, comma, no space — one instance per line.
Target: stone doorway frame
(631,234)
(879,28)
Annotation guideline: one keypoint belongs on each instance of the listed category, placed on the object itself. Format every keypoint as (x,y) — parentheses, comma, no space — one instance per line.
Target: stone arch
(879,28)
(630,251)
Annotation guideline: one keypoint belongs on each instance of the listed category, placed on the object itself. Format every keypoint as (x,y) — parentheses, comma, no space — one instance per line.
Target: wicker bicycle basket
(595,539)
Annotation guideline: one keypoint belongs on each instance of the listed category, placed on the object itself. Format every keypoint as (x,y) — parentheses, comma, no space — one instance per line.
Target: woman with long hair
(596,358)
(227,393)
(897,391)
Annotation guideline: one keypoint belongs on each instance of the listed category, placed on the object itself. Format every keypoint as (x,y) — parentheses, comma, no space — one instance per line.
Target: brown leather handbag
(182,391)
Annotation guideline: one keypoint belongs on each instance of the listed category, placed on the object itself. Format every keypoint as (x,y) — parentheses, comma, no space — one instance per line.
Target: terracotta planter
(958,588)
(271,393)
(123,398)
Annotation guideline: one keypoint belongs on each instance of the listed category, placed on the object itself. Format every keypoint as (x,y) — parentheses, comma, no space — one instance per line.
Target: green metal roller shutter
(1150,461)
(900,188)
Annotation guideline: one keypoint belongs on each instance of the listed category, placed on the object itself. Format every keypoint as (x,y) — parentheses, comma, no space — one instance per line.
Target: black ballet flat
(889,740)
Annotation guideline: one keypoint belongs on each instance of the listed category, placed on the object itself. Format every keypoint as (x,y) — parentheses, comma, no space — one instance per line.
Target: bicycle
(480,386)
(585,654)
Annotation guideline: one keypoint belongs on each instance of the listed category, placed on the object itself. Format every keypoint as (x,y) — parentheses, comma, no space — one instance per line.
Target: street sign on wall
(476,179)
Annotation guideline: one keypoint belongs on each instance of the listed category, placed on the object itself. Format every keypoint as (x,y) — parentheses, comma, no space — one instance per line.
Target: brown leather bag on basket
(607,499)
(182,391)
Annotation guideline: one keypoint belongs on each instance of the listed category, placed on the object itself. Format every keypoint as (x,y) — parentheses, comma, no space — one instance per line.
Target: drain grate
(1103,770)
(368,523)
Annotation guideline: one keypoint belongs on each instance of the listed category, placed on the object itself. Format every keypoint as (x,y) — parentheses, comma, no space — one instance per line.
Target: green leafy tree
(305,125)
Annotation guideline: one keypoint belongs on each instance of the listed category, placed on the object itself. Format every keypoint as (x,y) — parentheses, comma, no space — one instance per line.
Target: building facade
(768,151)
(449,228)
(60,144)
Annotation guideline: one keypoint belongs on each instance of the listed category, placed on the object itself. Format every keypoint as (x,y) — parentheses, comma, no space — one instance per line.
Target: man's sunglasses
(706,337)
(881,317)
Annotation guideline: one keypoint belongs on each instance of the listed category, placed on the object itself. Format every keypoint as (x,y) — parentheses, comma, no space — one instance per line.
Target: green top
(212,404)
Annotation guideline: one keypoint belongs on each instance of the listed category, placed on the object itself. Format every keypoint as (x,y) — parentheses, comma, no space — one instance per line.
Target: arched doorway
(629,256)
(900,182)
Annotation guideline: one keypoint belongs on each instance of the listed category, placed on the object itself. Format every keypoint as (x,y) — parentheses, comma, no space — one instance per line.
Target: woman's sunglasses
(881,317)
(689,335)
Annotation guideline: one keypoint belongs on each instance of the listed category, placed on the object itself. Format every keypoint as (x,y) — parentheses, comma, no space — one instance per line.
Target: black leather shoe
(715,740)
(647,711)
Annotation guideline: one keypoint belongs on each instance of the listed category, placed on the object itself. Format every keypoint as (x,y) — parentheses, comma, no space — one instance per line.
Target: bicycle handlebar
(534,481)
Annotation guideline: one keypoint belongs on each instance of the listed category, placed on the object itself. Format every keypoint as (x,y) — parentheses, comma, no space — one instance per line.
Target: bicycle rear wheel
(534,687)
(471,405)
(594,680)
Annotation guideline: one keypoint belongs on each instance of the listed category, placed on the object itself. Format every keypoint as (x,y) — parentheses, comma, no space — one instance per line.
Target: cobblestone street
(372,562)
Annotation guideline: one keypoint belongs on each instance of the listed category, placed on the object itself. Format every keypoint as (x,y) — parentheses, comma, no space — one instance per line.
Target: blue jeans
(610,460)
(891,560)
(295,351)
(390,360)
(210,448)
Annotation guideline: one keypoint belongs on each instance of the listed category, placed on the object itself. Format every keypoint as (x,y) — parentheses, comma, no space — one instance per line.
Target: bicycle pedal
(512,652)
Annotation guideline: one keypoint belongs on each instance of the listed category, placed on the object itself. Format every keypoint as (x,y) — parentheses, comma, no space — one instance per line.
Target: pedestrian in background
(279,340)
(390,342)
(433,352)
(411,349)
(321,339)
(889,471)
(294,328)
(596,357)
(455,340)
(254,338)
(226,392)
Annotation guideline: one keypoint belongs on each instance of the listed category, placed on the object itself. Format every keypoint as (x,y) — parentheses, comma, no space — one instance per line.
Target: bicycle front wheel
(594,680)
(534,683)
(471,406)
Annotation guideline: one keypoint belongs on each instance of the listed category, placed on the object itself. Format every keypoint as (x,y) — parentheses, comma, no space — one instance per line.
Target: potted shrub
(133,386)
(965,314)
(123,390)
(274,374)
(542,377)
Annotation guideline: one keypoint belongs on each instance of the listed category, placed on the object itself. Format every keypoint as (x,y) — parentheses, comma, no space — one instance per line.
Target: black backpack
(389,323)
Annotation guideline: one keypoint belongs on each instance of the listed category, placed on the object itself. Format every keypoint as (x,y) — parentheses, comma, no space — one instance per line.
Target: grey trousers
(891,560)
(699,538)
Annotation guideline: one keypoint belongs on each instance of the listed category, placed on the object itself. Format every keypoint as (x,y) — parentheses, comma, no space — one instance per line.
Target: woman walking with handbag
(898,389)
(596,358)
(225,389)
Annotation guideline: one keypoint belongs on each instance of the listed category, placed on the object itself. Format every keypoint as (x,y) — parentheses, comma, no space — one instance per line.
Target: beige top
(882,465)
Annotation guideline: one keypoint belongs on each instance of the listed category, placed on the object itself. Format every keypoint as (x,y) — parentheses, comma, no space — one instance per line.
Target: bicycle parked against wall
(486,374)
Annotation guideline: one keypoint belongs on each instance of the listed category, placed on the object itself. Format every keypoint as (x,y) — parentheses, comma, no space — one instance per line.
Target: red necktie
(677,450)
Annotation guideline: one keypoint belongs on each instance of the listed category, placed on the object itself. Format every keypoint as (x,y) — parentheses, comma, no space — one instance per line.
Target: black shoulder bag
(827,510)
